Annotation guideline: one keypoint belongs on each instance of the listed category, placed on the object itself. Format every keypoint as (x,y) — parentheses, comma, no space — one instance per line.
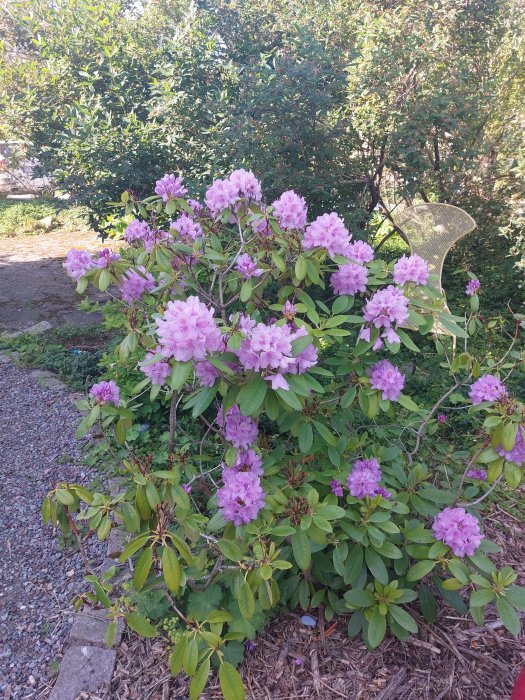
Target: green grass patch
(24,217)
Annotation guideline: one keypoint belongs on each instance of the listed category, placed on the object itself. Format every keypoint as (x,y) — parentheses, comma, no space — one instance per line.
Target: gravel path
(37,578)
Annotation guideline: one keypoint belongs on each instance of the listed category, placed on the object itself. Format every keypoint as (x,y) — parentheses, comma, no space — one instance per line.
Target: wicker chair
(431,231)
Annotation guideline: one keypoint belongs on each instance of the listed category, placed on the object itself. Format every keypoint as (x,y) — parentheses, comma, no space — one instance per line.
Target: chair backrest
(432,230)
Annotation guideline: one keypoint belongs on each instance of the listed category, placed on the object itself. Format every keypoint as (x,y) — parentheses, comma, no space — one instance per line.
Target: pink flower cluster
(135,283)
(387,308)
(364,478)
(247,267)
(487,388)
(105,393)
(78,263)
(336,488)
(206,373)
(359,251)
(349,279)
(137,231)
(411,269)
(472,287)
(158,371)
(517,454)
(327,231)
(241,498)
(224,194)
(458,530)
(240,430)
(479,474)
(170,187)
(388,379)
(290,210)
(269,347)
(188,331)
(187,228)
(106,257)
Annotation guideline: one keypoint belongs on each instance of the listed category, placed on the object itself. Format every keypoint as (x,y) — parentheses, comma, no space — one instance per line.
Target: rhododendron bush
(301,483)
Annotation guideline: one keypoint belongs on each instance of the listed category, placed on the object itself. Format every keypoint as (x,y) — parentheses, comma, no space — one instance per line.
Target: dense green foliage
(353,104)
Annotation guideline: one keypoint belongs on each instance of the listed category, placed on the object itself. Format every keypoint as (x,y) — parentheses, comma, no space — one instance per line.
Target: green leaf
(203,399)
(142,568)
(451,326)
(177,655)
(246,290)
(251,396)
(376,628)
(110,634)
(359,598)
(171,569)
(230,549)
(376,566)
(290,399)
(191,657)
(65,497)
(480,598)
(325,433)
(509,617)
(199,680)
(132,547)
(403,618)
(428,603)
(421,569)
(301,549)
(300,268)
(407,340)
(141,625)
(245,600)
(407,403)
(306,437)
(230,682)
(180,372)
(516,596)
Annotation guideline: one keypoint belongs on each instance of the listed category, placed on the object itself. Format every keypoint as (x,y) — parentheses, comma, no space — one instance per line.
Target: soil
(33,283)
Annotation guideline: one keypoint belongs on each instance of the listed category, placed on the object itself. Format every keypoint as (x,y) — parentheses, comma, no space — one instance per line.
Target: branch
(173,422)
(434,408)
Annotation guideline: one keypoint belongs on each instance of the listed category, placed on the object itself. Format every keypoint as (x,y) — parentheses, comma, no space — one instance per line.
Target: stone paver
(89,627)
(83,668)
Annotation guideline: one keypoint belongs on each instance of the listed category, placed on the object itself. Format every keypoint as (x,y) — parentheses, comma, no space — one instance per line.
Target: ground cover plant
(295,470)
(31,217)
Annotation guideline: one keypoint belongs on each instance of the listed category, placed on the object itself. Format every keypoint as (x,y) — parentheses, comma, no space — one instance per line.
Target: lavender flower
(135,283)
(387,307)
(336,488)
(349,279)
(327,231)
(359,251)
(106,393)
(241,498)
(187,228)
(472,287)
(442,418)
(364,478)
(187,488)
(517,454)
(479,474)
(188,331)
(170,187)
(206,373)
(78,263)
(290,210)
(106,257)
(222,194)
(380,491)
(458,530)
(411,269)
(240,430)
(137,231)
(248,186)
(247,267)
(158,371)
(487,388)
(388,379)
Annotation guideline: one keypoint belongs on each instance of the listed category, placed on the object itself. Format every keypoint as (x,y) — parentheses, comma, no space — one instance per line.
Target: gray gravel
(38,578)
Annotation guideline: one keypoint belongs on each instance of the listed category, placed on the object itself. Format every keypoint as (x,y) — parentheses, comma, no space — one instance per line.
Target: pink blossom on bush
(170,187)
(359,251)
(289,310)
(77,263)
(336,488)
(188,331)
(478,474)
(458,530)
(240,430)
(411,269)
(241,498)
(106,257)
(206,373)
(158,371)
(380,491)
(472,287)
(362,482)
(387,307)
(327,231)
(517,454)
(247,185)
(442,418)
(247,461)
(261,224)
(290,210)
(187,228)
(247,267)
(137,231)
(106,393)
(388,379)
(487,388)
(349,279)
(135,283)
(195,206)
(222,194)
